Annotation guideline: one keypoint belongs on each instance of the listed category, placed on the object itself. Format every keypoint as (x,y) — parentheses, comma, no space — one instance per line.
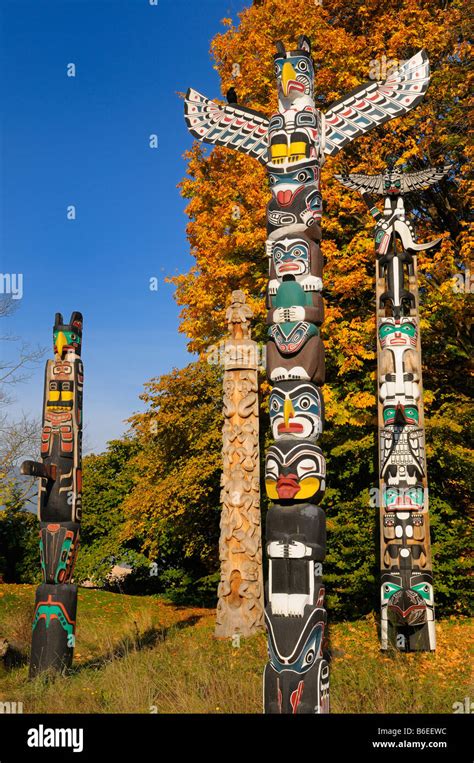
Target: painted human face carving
(291,257)
(392,184)
(295,472)
(286,186)
(400,332)
(409,498)
(296,411)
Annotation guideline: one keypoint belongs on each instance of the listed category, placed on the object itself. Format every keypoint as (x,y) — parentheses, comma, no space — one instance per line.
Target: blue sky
(84,141)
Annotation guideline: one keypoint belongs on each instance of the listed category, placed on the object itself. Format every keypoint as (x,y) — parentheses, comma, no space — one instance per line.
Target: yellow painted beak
(288,411)
(288,74)
(61,342)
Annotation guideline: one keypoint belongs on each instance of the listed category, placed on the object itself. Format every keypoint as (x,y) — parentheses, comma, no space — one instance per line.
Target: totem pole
(292,145)
(240,593)
(407,606)
(59,499)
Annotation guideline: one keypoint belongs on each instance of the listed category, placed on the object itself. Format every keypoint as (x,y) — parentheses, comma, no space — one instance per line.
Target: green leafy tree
(108,478)
(19,545)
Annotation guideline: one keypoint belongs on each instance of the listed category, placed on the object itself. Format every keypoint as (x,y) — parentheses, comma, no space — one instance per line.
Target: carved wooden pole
(240,592)
(407,604)
(59,499)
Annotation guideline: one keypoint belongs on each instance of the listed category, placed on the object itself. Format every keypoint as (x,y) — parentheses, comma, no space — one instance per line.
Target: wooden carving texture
(240,592)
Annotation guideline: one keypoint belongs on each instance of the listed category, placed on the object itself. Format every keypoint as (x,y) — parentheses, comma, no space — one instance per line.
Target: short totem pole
(407,606)
(240,593)
(292,145)
(59,499)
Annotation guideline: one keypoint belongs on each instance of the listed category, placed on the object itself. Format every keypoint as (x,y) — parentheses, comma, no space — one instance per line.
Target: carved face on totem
(408,597)
(290,190)
(291,258)
(392,183)
(398,332)
(294,71)
(295,472)
(67,336)
(296,411)
(400,415)
(403,497)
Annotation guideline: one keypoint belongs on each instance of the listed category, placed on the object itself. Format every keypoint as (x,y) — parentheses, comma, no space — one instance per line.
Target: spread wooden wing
(370,184)
(236,127)
(374,103)
(416,181)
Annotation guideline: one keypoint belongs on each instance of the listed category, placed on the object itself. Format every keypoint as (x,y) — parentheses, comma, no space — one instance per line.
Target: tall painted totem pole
(292,145)
(407,605)
(59,499)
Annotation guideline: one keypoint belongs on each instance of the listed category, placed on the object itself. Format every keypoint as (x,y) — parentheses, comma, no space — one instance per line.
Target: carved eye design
(272,469)
(275,405)
(304,402)
(389,589)
(302,177)
(308,658)
(297,252)
(277,254)
(277,69)
(272,180)
(306,465)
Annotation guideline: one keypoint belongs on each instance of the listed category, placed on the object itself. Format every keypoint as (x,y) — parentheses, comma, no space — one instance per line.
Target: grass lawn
(141,654)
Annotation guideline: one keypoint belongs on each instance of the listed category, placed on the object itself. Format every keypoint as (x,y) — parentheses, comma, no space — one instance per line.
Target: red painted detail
(405,612)
(295,697)
(287,486)
(293,84)
(284,198)
(291,428)
(288,267)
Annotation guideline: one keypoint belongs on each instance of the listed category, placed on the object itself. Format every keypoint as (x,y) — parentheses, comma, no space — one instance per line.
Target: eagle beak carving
(288,75)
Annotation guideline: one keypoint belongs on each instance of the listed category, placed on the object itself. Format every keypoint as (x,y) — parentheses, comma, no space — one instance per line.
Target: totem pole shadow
(135,643)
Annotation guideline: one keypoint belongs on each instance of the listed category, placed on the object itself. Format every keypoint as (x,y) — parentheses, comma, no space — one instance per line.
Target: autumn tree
(173,507)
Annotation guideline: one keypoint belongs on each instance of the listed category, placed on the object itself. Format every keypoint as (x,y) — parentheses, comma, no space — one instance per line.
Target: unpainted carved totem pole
(292,145)
(407,605)
(240,593)
(59,499)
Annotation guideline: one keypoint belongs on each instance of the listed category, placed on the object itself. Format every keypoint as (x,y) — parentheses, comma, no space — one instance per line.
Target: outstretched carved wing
(416,181)
(374,103)
(411,181)
(370,184)
(233,126)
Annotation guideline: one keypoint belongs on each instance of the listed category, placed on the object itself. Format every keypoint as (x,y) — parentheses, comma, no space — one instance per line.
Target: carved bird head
(294,71)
